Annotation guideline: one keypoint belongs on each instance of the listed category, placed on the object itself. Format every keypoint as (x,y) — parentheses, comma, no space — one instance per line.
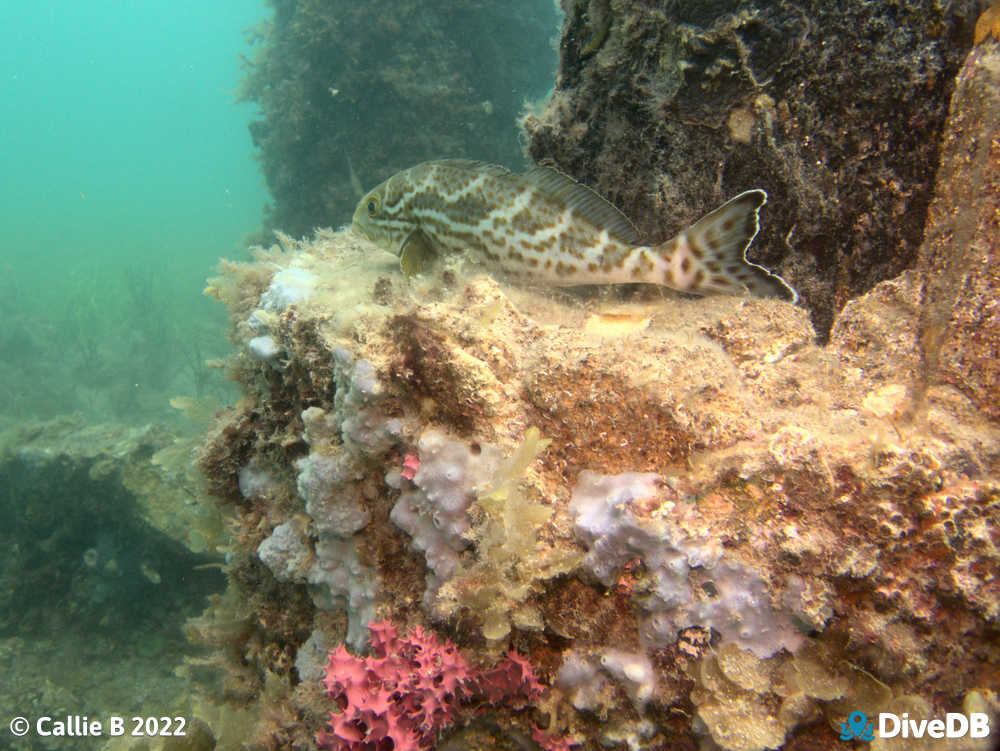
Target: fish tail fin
(710,256)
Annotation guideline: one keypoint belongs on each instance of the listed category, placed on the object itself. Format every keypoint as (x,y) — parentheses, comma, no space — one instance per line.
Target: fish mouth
(359,230)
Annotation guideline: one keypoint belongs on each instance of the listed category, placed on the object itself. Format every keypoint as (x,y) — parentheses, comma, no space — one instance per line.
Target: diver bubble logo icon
(857,727)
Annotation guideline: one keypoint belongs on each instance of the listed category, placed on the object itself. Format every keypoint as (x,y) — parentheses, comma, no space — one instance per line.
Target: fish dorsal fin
(475,166)
(584,201)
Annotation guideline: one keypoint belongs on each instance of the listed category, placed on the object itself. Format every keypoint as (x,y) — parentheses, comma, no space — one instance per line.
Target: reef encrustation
(700,527)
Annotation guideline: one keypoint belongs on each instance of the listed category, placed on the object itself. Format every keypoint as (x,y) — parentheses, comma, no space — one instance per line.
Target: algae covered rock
(960,259)
(354,91)
(108,546)
(700,526)
(99,520)
(695,476)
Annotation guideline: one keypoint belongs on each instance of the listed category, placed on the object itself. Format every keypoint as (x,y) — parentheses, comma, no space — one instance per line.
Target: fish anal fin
(585,202)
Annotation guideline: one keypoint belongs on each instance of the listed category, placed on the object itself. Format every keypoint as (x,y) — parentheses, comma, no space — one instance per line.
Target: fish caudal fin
(710,256)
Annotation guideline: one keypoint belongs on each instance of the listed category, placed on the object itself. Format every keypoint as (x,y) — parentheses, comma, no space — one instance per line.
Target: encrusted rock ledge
(699,528)
(732,531)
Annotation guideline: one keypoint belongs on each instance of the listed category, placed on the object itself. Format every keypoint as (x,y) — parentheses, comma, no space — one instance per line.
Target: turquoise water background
(123,156)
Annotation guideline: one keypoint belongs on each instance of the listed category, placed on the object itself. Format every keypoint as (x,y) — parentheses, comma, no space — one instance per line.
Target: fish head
(379,218)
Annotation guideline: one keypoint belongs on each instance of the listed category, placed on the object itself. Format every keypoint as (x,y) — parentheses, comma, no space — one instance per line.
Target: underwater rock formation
(774,532)
(835,109)
(700,527)
(103,513)
(960,258)
(355,91)
(108,546)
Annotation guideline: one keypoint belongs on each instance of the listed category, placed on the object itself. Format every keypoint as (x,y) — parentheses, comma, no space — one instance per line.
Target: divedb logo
(889,725)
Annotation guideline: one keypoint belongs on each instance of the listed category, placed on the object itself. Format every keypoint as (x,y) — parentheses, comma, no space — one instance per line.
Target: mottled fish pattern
(545,227)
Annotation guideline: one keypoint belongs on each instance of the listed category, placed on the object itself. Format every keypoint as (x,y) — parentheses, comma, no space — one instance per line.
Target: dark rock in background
(836,109)
(100,533)
(106,552)
(379,86)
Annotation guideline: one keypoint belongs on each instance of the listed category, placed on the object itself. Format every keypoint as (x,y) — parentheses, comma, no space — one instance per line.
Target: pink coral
(410,688)
(405,692)
(411,463)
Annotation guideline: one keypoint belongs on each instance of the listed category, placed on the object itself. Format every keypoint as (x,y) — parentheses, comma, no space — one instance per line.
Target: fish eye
(372,206)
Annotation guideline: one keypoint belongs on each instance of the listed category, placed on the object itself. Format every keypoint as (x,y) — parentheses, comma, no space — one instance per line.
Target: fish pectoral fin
(416,253)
